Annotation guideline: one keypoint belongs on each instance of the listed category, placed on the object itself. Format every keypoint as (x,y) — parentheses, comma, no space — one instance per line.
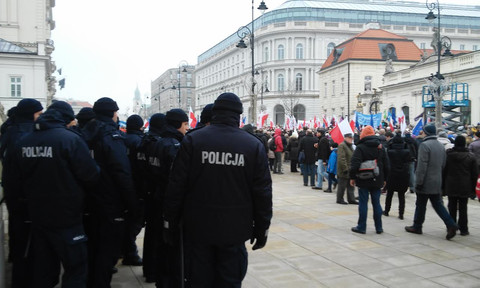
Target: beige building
(25,51)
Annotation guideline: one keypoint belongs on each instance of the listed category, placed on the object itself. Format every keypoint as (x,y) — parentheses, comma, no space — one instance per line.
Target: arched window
(330,48)
(265,54)
(406,111)
(368,84)
(280,82)
(281,52)
(279,115)
(299,51)
(298,82)
(299,112)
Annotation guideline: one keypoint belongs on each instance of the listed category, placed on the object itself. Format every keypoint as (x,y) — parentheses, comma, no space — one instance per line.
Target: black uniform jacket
(220,184)
(54,164)
(114,193)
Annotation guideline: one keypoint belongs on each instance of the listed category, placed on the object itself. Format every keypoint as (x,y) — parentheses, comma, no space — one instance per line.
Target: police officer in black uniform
(220,187)
(133,140)
(28,110)
(114,194)
(56,207)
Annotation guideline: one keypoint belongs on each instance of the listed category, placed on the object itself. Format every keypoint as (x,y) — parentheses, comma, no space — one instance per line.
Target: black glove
(169,236)
(260,239)
(418,187)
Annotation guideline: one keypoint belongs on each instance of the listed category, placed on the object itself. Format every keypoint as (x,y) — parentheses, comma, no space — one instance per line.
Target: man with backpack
(371,151)
(277,148)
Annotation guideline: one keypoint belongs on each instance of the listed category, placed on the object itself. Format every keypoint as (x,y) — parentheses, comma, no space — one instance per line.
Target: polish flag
(341,129)
(264,118)
(401,120)
(325,122)
(315,125)
(192,121)
(271,124)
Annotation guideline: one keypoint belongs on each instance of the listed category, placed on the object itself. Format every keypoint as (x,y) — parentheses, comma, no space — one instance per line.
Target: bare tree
(289,98)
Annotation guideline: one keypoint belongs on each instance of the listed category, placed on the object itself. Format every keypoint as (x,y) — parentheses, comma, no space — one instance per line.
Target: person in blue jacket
(332,168)
(221,189)
(113,197)
(55,205)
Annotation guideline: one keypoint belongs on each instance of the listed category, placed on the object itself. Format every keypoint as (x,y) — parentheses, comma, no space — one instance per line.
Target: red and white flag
(271,124)
(341,129)
(401,121)
(192,121)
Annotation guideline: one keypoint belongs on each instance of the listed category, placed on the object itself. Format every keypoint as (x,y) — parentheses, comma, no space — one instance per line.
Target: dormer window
(387,50)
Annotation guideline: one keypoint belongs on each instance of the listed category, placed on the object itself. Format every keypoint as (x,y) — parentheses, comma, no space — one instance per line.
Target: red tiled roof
(79,103)
(365,46)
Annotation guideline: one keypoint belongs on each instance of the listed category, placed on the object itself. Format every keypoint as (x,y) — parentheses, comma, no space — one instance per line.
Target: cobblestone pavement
(311,245)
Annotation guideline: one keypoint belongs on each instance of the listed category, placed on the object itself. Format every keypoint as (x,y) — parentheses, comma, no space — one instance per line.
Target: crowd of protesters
(78,192)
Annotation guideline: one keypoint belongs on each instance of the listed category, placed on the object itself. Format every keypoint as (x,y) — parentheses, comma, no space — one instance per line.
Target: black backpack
(271,145)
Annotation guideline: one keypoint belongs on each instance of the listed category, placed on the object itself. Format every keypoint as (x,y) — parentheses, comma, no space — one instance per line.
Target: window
(326,90)
(280,82)
(299,112)
(368,84)
(475,47)
(342,85)
(422,46)
(330,48)
(406,112)
(281,52)
(298,82)
(462,46)
(299,51)
(16,86)
(265,55)
(279,115)
(333,87)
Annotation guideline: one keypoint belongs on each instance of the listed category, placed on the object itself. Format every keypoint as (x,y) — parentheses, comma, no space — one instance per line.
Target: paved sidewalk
(311,245)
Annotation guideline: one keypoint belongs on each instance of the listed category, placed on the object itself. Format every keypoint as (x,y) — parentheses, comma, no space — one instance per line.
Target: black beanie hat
(175,117)
(65,109)
(12,112)
(105,106)
(27,107)
(460,142)
(85,114)
(134,122)
(206,115)
(228,101)
(430,129)
(157,121)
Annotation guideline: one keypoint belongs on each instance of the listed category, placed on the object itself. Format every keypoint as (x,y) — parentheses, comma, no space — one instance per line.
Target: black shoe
(305,184)
(150,279)
(114,270)
(385,213)
(414,230)
(316,188)
(379,231)
(452,231)
(356,230)
(400,217)
(342,202)
(328,191)
(464,233)
(280,173)
(133,261)
(353,202)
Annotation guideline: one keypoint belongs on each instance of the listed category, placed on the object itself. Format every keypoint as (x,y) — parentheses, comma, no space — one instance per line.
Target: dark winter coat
(222,189)
(370,148)
(138,163)
(323,149)
(54,165)
(460,173)
(307,146)
(399,156)
(114,193)
(293,147)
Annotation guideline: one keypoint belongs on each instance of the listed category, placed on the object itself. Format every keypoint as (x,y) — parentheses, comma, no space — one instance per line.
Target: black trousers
(293,165)
(213,266)
(55,246)
(21,250)
(401,201)
(459,204)
(104,249)
(152,238)
(133,226)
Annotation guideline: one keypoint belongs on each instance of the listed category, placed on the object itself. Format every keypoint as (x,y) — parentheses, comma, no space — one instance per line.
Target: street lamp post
(437,83)
(183,64)
(242,33)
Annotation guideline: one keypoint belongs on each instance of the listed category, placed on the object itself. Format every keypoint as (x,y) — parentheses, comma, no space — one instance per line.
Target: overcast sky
(108,47)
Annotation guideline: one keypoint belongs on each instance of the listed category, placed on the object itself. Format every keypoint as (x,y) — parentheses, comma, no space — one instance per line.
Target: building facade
(293,41)
(25,51)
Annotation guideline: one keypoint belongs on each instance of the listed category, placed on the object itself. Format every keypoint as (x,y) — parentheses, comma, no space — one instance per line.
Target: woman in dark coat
(459,179)
(399,177)
(292,148)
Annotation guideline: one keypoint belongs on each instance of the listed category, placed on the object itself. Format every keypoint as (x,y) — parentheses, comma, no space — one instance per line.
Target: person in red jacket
(277,165)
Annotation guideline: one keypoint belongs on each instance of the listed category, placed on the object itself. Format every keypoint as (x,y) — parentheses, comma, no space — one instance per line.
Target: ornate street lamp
(437,83)
(242,33)
(182,67)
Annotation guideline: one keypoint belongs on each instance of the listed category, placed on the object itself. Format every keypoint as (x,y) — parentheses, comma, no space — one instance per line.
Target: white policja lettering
(223,158)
